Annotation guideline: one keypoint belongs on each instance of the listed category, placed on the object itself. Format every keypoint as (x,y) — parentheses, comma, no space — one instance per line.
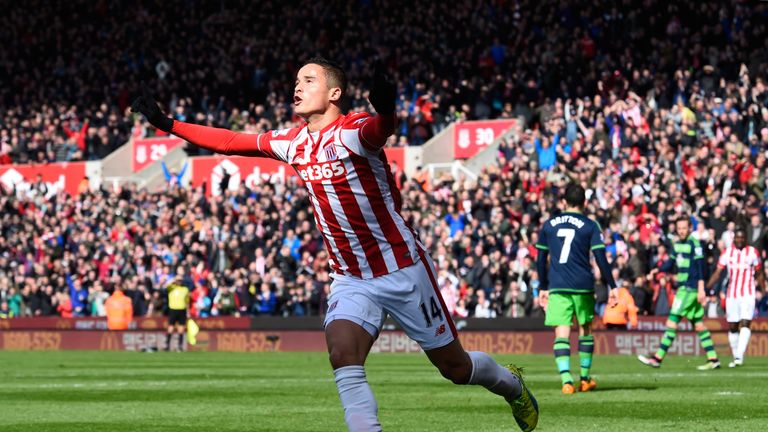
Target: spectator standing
(119,310)
(621,315)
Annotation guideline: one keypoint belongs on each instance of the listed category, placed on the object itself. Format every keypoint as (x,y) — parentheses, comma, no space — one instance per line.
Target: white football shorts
(740,308)
(410,295)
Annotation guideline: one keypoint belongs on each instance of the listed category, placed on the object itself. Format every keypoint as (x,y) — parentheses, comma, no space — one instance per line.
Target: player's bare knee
(733,327)
(563,331)
(671,324)
(699,326)
(340,357)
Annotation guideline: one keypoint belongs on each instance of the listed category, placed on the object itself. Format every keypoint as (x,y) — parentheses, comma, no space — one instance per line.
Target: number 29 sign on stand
(149,150)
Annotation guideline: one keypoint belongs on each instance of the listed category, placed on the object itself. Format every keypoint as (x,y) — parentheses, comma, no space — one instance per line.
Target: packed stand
(71,68)
(253,252)
(677,125)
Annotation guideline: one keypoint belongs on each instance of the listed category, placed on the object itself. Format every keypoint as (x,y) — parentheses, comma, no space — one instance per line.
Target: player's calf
(478,368)
(360,408)
(489,374)
(457,370)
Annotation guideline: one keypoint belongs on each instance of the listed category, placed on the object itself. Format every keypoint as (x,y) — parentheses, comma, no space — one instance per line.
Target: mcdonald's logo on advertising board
(64,324)
(109,342)
(149,324)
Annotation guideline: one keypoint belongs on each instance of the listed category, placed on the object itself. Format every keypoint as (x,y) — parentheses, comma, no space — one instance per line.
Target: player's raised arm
(383,92)
(218,140)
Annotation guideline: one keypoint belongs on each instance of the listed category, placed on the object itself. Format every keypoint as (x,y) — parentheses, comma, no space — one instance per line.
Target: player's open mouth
(296,100)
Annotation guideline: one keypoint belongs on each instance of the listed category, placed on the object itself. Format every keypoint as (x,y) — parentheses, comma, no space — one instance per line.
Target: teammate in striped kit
(742,263)
(380,266)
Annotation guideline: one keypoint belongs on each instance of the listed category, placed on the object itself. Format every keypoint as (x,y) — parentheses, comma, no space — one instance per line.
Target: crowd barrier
(70,177)
(260,334)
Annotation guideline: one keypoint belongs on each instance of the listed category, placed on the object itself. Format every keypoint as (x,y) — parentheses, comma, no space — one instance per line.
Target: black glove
(383,92)
(146,104)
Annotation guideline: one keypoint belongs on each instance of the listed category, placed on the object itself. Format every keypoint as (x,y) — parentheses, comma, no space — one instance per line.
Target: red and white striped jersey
(741,265)
(356,202)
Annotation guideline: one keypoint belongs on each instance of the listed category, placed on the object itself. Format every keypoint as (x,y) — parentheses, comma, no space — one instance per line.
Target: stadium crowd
(662,115)
(71,68)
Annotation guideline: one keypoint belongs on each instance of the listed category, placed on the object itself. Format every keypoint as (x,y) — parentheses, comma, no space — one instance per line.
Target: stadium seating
(678,124)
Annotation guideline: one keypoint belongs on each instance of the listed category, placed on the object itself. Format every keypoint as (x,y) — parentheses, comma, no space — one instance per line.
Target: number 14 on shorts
(434,311)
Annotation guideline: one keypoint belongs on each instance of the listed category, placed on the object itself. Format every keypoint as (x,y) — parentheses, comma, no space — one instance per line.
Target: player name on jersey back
(567,219)
(569,238)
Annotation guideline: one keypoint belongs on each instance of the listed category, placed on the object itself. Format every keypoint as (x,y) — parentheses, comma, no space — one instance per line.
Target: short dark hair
(333,73)
(740,229)
(575,195)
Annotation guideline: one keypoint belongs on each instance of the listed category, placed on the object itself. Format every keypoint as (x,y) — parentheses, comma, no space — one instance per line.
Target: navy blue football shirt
(569,238)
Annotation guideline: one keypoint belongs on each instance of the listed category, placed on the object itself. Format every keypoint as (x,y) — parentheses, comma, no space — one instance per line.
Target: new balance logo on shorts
(440,330)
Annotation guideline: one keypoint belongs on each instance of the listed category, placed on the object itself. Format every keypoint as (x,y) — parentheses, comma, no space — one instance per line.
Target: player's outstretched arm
(382,96)
(218,140)
(383,92)
(147,105)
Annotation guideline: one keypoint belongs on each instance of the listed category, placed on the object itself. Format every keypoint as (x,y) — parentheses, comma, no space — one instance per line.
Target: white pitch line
(140,384)
(654,374)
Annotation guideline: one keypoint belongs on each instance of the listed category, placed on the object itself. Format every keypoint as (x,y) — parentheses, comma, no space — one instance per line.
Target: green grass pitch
(208,392)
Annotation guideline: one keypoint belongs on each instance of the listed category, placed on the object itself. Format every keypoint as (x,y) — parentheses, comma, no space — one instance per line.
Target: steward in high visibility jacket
(119,310)
(616,317)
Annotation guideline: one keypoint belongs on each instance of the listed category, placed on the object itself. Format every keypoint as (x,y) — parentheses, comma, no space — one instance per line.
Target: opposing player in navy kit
(568,285)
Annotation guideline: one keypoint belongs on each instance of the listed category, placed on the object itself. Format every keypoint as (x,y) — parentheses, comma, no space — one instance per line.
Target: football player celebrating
(380,266)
